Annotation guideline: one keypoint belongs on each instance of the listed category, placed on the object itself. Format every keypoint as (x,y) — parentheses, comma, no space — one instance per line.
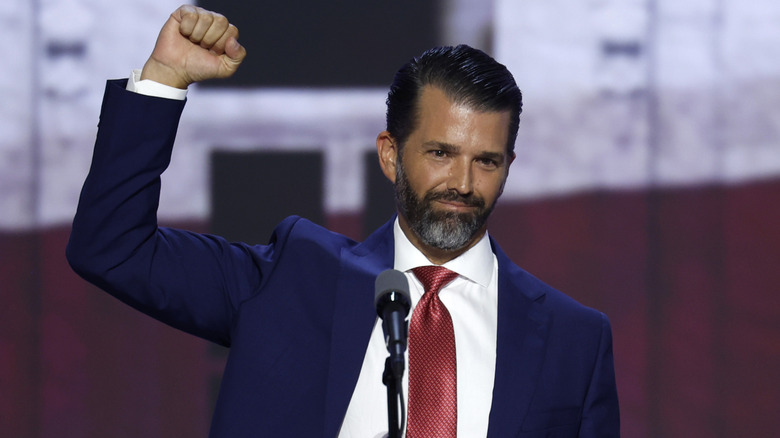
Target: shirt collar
(476,264)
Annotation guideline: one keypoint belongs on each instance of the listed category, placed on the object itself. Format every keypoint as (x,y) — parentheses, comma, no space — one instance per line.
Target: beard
(445,230)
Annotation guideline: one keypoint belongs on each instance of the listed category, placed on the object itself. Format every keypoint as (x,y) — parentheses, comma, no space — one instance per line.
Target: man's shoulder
(301,231)
(538,291)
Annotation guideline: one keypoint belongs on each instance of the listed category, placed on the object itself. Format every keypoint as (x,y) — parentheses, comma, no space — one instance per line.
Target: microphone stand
(394,400)
(392,304)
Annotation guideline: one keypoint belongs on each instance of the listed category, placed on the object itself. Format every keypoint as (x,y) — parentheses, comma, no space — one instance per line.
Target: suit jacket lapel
(522,334)
(353,319)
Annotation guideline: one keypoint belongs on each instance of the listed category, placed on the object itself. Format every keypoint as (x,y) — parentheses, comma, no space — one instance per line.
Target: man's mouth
(456,205)
(453,201)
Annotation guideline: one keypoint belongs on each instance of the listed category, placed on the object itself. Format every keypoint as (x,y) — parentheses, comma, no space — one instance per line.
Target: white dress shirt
(471,299)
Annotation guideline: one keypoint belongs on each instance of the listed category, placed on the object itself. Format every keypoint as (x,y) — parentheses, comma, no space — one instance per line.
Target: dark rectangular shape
(325,44)
(252,191)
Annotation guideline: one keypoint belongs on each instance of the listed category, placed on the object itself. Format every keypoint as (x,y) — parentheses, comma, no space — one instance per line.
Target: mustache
(447,195)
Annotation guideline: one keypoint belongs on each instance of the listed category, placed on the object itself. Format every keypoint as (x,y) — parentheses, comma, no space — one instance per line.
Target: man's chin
(453,220)
(448,232)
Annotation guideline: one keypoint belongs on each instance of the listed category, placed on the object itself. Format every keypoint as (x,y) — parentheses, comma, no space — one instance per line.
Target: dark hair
(466,75)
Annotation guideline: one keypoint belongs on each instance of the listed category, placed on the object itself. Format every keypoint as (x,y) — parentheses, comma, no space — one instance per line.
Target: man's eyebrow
(446,147)
(495,156)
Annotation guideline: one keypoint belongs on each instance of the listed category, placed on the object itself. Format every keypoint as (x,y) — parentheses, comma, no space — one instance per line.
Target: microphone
(392,303)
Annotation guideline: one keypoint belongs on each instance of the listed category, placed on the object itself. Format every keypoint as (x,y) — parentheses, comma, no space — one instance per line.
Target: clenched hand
(194,45)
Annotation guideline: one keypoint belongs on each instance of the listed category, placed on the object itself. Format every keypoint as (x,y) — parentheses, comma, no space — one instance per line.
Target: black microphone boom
(392,302)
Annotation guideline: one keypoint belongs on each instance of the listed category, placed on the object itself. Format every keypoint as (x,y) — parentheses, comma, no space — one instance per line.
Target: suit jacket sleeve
(600,418)
(185,279)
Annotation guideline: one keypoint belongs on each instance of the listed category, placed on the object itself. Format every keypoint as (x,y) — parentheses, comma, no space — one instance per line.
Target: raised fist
(194,45)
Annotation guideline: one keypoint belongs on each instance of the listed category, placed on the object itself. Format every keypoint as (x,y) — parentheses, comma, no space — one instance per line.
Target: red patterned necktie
(433,402)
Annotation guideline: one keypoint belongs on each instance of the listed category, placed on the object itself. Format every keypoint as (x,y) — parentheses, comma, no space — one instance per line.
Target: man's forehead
(450,123)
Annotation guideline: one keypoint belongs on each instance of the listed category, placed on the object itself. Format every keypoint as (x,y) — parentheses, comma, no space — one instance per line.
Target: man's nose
(461,178)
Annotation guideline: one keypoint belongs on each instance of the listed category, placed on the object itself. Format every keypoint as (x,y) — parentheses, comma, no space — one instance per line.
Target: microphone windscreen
(390,280)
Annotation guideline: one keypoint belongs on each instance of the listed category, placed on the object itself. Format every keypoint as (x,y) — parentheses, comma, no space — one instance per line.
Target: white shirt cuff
(151,88)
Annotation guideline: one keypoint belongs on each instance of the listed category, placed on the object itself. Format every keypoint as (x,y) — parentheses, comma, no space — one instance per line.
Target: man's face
(450,173)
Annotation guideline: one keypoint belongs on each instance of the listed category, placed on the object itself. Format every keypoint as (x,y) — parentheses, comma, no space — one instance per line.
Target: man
(306,350)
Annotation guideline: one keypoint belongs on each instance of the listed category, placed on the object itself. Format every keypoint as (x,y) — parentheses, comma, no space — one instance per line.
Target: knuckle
(220,19)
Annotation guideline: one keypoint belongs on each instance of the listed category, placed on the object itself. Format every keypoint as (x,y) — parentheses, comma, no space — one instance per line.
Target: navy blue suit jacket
(297,313)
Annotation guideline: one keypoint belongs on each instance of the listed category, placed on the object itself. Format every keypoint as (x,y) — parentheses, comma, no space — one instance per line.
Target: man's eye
(439,153)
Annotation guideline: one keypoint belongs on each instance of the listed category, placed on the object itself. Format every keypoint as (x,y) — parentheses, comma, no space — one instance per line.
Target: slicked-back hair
(466,75)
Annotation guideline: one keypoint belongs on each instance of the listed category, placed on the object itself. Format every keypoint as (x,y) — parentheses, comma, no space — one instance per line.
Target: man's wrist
(149,87)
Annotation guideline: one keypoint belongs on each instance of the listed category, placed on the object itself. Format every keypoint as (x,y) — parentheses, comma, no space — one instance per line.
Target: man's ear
(510,159)
(387,151)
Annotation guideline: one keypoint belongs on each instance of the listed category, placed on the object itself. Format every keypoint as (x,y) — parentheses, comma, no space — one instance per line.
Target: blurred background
(647,185)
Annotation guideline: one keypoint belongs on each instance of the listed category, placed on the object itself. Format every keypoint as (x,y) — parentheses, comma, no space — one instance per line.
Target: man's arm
(600,417)
(178,277)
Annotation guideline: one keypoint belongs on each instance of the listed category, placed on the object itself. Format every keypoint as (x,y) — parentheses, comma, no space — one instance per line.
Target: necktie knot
(434,277)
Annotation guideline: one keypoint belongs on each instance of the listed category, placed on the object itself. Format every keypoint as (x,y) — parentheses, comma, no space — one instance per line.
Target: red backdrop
(688,277)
